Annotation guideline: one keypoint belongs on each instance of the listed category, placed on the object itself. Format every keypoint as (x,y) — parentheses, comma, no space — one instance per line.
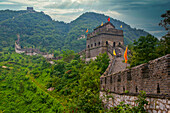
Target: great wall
(31,51)
(125,84)
(117,81)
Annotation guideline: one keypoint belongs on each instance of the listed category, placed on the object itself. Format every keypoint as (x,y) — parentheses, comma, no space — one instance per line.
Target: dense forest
(38,30)
(32,84)
(25,80)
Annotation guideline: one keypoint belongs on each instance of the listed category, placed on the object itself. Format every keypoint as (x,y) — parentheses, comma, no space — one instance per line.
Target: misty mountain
(38,30)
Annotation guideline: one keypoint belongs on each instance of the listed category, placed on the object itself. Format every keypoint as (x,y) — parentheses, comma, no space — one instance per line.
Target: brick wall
(152,77)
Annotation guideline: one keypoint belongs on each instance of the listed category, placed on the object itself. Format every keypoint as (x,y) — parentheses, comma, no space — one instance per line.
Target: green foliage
(24,83)
(144,50)
(165,40)
(18,91)
(148,48)
(102,60)
(126,108)
(141,101)
(75,81)
(126,91)
(166,22)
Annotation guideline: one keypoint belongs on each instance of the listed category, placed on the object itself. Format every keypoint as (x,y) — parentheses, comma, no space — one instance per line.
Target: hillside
(25,82)
(38,30)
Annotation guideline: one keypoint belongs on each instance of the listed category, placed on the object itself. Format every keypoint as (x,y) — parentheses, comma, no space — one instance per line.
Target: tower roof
(104,25)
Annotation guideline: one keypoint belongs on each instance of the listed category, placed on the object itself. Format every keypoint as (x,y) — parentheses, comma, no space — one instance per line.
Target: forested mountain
(38,30)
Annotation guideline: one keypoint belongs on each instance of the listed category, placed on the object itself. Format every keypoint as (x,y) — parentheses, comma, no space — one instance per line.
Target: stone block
(159,111)
(168,101)
(164,112)
(154,111)
(168,106)
(164,101)
(162,106)
(149,111)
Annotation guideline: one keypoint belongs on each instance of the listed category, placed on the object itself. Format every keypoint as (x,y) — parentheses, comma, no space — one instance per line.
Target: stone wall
(152,77)
(98,40)
(155,105)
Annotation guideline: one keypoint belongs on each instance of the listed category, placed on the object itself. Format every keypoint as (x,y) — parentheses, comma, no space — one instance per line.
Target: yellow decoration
(102,24)
(114,53)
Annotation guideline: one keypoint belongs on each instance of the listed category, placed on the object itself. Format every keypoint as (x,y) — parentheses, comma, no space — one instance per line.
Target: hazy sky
(143,14)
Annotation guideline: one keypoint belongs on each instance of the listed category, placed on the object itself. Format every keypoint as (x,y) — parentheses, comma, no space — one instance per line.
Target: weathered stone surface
(155,105)
(152,77)
(159,111)
(162,106)
(154,111)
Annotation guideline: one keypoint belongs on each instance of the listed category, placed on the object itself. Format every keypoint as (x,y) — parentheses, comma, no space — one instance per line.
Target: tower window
(91,45)
(95,44)
(123,89)
(99,43)
(136,89)
(88,46)
(105,80)
(158,88)
(119,43)
(106,42)
(114,43)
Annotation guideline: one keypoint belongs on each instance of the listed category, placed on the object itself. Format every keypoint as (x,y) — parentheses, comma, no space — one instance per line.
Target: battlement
(152,77)
(110,31)
(104,38)
(30,9)
(31,51)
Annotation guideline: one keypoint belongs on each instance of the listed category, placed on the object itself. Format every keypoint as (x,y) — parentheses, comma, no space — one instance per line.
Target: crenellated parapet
(103,39)
(110,31)
(152,77)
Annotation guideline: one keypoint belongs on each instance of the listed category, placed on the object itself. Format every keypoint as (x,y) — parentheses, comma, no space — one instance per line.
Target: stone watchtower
(103,39)
(30,9)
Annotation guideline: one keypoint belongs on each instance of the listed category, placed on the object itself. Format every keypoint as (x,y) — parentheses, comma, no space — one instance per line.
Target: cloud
(110,13)
(7,3)
(133,12)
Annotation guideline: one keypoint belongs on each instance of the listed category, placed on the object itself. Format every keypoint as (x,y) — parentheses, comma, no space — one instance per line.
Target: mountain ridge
(38,30)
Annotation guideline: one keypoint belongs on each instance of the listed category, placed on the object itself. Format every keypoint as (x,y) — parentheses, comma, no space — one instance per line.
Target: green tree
(165,40)
(144,50)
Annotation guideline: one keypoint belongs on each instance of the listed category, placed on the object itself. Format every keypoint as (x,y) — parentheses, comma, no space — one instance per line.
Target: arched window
(158,88)
(123,89)
(88,46)
(114,43)
(99,43)
(91,45)
(106,42)
(105,80)
(95,44)
(119,43)
(136,89)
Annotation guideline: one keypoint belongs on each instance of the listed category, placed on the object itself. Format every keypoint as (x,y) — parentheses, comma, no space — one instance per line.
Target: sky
(140,14)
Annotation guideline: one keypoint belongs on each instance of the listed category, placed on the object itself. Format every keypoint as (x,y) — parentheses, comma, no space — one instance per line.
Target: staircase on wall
(117,61)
